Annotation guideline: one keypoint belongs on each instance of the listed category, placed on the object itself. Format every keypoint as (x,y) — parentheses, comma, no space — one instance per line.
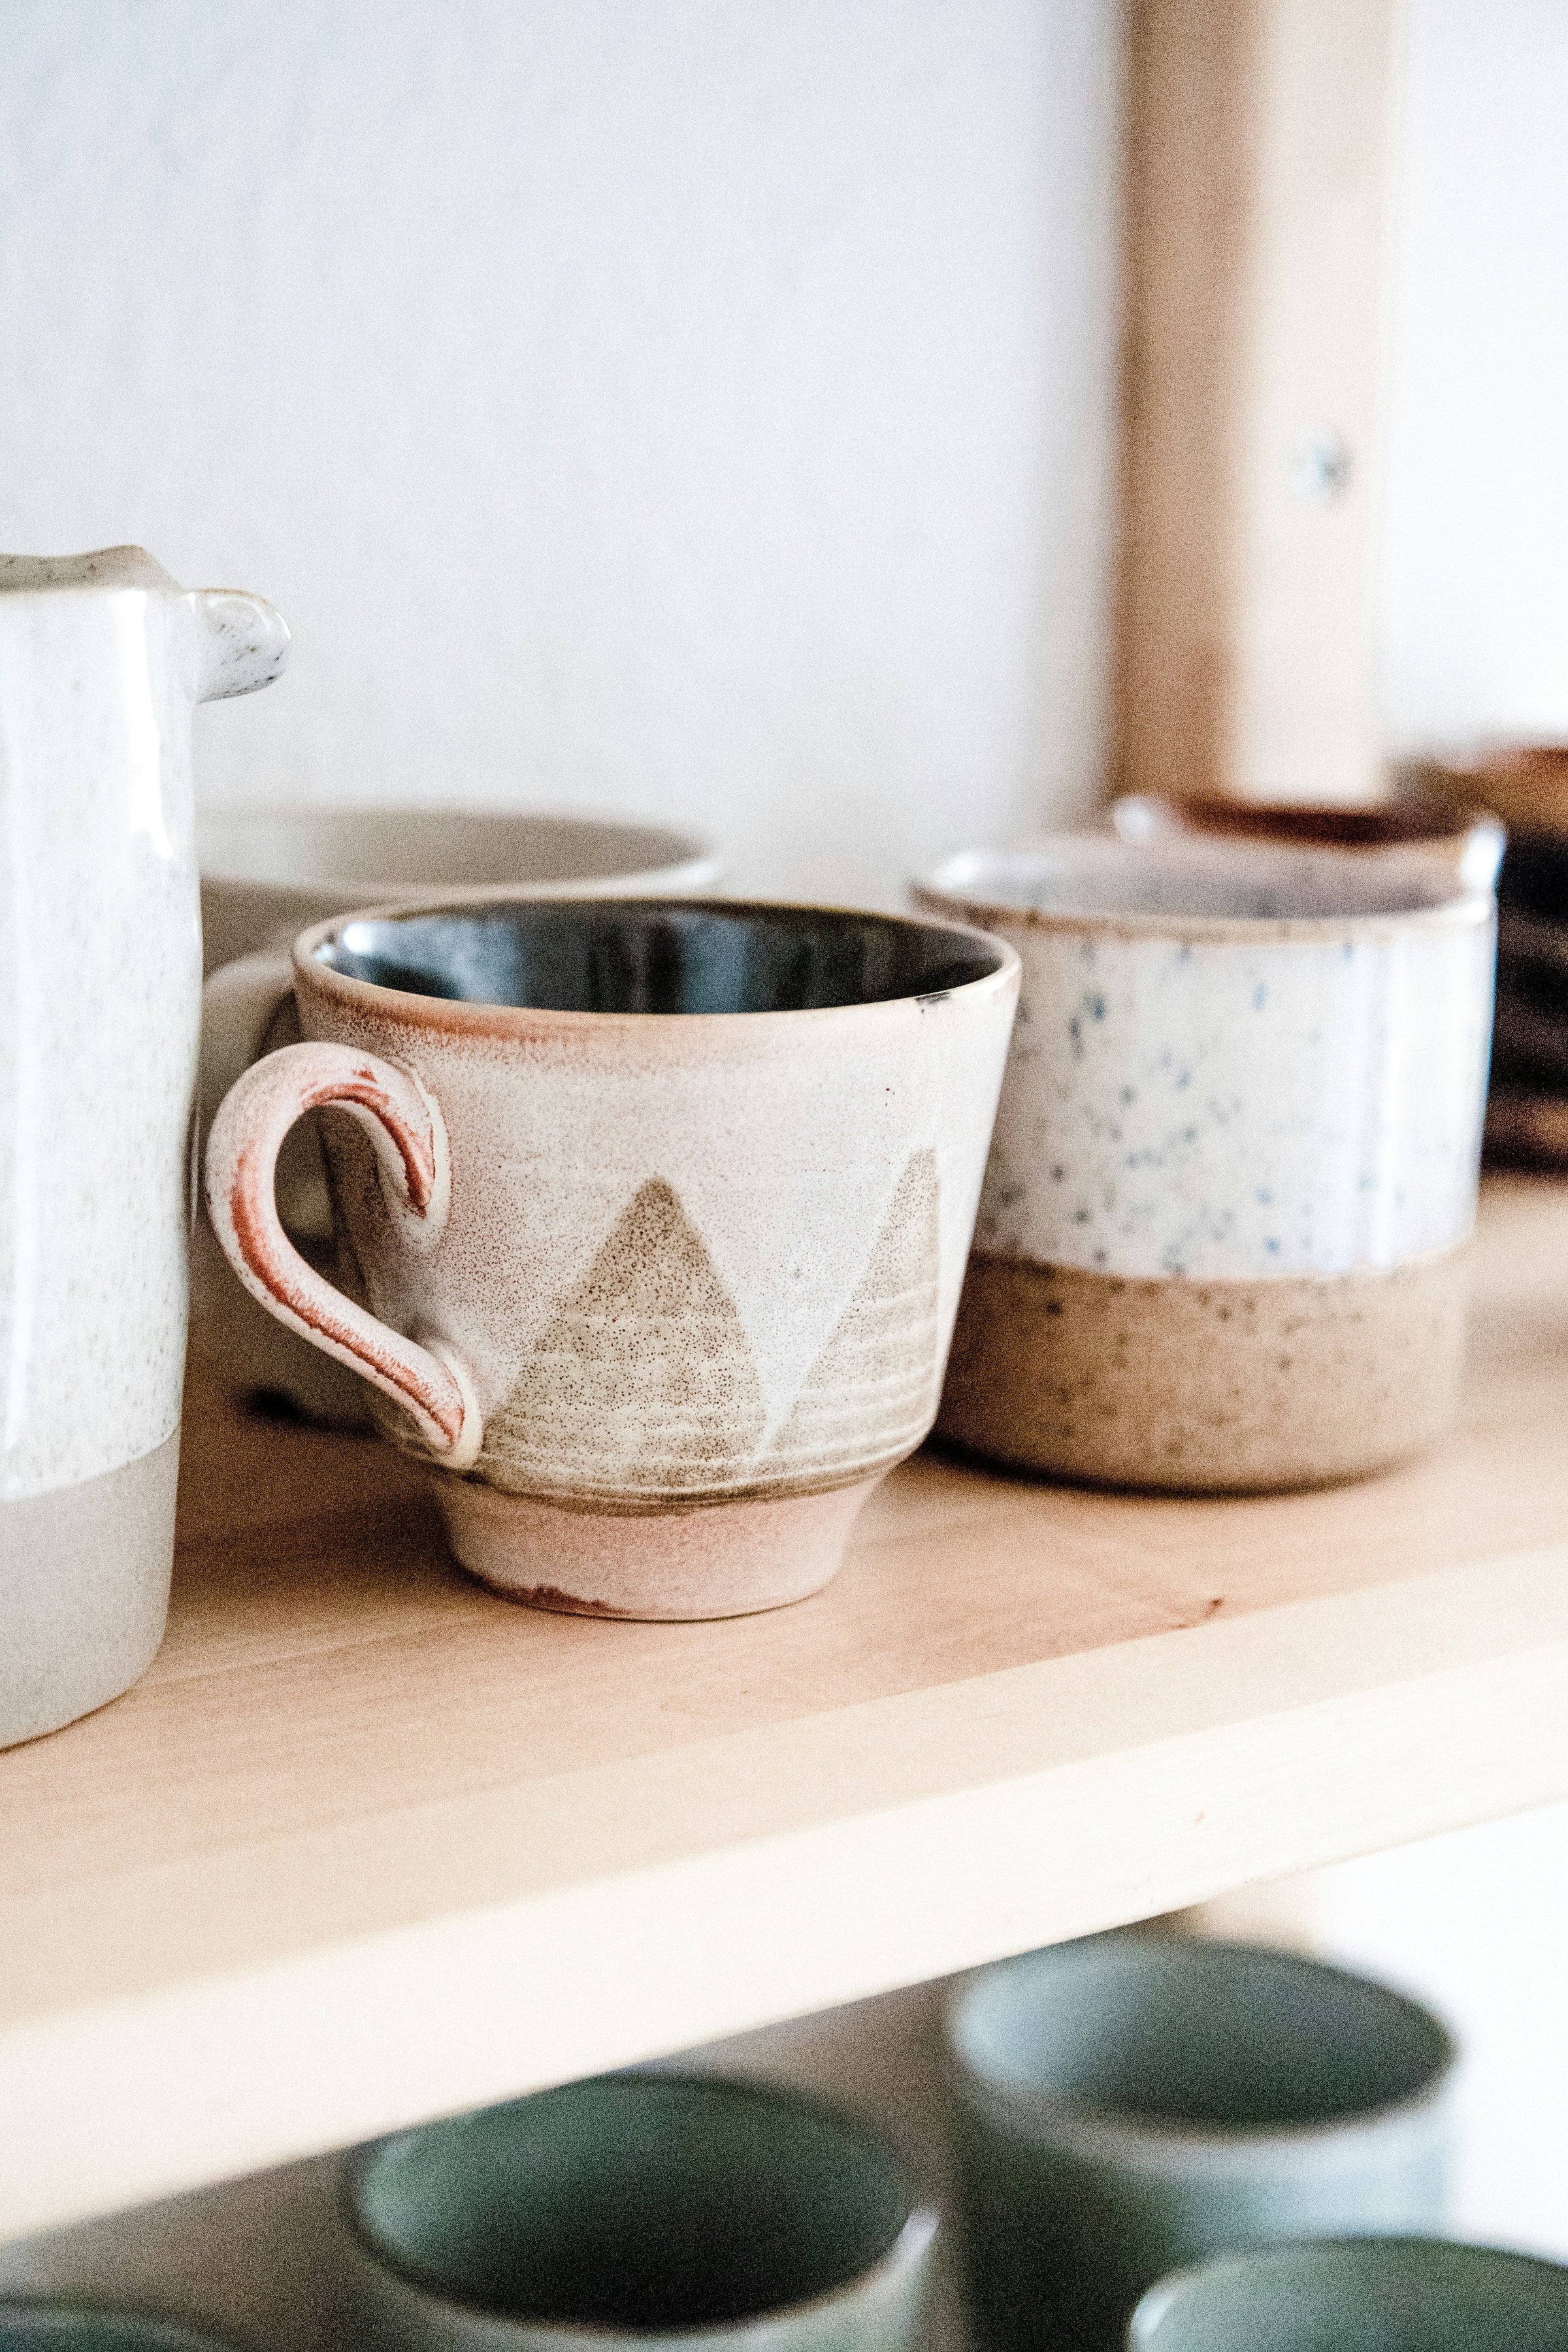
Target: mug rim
(910,2242)
(970,881)
(690,851)
(475,1018)
(164,2331)
(1156,2300)
(1414,821)
(1153,2137)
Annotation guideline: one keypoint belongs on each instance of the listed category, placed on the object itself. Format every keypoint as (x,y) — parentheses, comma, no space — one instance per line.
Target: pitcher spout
(242,642)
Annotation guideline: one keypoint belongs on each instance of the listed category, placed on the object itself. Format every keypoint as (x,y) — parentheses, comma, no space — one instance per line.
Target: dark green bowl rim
(913,2233)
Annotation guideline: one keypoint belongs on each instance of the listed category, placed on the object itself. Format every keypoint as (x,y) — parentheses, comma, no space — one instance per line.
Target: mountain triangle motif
(870,1397)
(642,1383)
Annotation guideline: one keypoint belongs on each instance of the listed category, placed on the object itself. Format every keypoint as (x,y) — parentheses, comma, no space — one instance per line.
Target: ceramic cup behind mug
(1222,1245)
(83,2328)
(1527,783)
(661,2210)
(267,873)
(1132,2104)
(1360,2295)
(654,1212)
(1459,837)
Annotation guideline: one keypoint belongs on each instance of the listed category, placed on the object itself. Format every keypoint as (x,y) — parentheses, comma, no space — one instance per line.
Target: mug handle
(242,1004)
(406,1126)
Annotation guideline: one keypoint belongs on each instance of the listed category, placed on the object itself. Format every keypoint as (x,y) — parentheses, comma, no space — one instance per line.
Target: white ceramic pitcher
(103,658)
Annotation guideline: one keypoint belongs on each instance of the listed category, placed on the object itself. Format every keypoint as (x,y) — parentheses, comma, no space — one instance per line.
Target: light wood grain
(368,1843)
(1260,155)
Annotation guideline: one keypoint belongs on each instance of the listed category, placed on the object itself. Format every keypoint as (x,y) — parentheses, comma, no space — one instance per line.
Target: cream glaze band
(1231,1063)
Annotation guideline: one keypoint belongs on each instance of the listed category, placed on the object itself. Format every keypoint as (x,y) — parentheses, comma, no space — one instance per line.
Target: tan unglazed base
(84,1591)
(1193,1387)
(722,1559)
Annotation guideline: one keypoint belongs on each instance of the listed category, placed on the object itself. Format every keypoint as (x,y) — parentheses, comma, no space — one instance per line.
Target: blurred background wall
(664,405)
(708,407)
(1474,569)
(671,404)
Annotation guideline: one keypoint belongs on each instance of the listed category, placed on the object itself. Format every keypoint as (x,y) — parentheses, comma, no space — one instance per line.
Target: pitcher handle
(404,1124)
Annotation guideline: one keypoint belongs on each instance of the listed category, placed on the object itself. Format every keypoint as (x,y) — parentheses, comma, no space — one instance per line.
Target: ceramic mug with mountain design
(651,1216)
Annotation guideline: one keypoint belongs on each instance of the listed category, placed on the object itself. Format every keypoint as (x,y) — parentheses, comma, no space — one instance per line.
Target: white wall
(1475,589)
(1475,643)
(692,406)
(1478,1923)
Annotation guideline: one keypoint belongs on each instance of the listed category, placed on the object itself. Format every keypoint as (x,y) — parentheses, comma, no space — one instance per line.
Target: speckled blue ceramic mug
(1360,2295)
(1222,1242)
(1129,2104)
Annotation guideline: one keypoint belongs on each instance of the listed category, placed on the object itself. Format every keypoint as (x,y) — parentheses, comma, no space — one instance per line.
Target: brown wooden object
(368,1842)
(1259,149)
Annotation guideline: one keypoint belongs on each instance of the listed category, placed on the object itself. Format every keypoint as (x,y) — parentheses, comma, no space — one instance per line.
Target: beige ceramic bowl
(269,874)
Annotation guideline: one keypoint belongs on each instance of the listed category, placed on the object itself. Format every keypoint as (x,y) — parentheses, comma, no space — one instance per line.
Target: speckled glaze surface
(268,873)
(101,658)
(683,1283)
(1205,1387)
(1245,1093)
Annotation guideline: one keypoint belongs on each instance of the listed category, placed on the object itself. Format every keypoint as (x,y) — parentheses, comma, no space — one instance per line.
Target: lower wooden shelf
(367,1844)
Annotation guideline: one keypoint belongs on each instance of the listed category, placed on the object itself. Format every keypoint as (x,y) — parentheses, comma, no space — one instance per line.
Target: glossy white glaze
(101,658)
(1230,1062)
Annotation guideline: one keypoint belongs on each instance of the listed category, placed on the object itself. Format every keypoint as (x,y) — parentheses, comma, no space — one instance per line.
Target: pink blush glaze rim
(720,1559)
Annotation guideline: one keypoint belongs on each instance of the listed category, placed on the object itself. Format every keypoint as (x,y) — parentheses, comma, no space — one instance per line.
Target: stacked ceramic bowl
(1527,1108)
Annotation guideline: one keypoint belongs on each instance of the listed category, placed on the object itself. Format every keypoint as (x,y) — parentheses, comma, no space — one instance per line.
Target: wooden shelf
(367,1844)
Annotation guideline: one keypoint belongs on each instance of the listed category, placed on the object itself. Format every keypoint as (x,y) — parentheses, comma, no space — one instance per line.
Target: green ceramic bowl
(1129,2105)
(81,2327)
(1359,2294)
(668,2209)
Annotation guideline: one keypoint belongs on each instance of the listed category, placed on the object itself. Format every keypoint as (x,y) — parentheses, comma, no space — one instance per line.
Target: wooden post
(1259,164)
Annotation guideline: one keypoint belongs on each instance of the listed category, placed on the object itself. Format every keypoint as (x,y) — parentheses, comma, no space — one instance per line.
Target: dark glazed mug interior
(640,955)
(637,2202)
(1201,2036)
